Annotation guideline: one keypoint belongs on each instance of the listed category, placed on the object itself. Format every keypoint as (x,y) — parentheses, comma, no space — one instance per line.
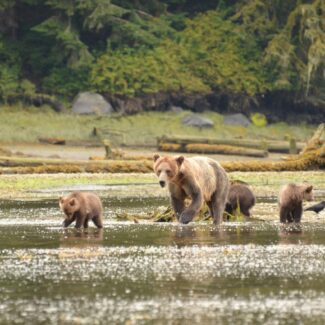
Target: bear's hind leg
(285,215)
(86,223)
(218,207)
(297,213)
(245,211)
(98,222)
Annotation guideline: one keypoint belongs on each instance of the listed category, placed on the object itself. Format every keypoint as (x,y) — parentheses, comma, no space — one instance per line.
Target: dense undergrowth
(131,48)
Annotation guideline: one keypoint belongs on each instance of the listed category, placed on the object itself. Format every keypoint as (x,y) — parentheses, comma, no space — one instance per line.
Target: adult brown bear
(200,178)
(82,207)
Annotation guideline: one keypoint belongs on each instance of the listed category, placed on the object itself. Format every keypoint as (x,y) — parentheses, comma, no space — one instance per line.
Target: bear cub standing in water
(200,178)
(239,194)
(82,207)
(290,201)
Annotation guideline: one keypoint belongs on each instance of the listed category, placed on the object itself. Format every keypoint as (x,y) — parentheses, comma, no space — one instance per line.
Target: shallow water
(238,273)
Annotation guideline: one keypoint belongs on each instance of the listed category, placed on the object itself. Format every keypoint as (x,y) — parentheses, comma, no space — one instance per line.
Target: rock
(236,119)
(176,109)
(198,121)
(91,103)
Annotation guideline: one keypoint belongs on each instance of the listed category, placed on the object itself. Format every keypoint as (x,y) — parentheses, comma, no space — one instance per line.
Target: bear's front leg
(68,221)
(177,197)
(80,221)
(177,205)
(193,209)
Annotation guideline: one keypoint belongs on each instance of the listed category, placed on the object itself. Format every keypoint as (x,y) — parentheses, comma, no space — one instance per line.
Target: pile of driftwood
(241,147)
(312,157)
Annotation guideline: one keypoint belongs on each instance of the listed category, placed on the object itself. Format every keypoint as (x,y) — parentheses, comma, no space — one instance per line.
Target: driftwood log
(312,158)
(263,145)
(212,149)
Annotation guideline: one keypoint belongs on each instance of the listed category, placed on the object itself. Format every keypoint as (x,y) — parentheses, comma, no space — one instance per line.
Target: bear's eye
(159,172)
(168,172)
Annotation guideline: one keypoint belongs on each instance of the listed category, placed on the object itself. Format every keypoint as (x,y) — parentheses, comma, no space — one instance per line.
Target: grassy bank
(26,186)
(28,124)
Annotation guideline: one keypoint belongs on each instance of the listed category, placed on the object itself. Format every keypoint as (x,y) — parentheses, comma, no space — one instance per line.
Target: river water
(143,273)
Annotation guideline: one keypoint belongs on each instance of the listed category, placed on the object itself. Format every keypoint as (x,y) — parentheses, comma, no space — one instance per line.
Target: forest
(242,54)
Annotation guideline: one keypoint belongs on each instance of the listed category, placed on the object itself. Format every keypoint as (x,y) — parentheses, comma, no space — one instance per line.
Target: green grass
(22,186)
(263,183)
(27,124)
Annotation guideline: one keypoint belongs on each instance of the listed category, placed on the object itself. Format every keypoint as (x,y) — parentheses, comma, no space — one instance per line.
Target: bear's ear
(179,160)
(72,202)
(309,189)
(156,157)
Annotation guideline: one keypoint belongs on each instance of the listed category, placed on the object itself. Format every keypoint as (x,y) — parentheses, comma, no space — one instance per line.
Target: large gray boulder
(91,103)
(198,121)
(236,119)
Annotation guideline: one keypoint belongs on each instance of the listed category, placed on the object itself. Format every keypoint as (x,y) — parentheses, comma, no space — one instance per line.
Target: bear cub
(291,197)
(239,194)
(82,207)
(200,178)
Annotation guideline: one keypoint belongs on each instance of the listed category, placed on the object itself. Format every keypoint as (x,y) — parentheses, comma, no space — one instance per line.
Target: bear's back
(243,192)
(94,204)
(205,171)
(290,195)
(89,202)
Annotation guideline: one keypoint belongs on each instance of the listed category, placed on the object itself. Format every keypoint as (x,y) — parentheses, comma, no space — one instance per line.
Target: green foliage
(136,47)
(297,52)
(75,52)
(66,82)
(9,71)
(210,53)
(144,71)
(222,54)
(27,87)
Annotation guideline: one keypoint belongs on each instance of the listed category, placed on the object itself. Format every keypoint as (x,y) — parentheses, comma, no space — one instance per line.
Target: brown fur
(200,178)
(242,194)
(290,201)
(82,207)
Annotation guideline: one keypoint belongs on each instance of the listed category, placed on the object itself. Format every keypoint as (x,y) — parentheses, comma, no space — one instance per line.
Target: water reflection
(79,238)
(236,273)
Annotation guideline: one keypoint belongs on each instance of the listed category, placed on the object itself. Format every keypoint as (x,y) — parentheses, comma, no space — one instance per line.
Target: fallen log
(28,165)
(269,145)
(59,141)
(312,160)
(212,149)
(316,141)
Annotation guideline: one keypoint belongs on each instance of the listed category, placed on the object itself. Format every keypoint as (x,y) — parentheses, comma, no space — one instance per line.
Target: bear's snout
(162,183)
